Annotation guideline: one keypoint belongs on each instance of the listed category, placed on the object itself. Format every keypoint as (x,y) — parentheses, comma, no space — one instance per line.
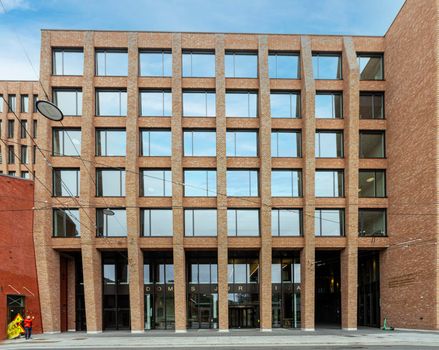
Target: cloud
(11,5)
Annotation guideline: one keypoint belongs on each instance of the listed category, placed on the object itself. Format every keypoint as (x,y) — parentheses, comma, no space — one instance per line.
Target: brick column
(221,171)
(71,295)
(91,257)
(349,255)
(307,255)
(177,189)
(135,255)
(265,185)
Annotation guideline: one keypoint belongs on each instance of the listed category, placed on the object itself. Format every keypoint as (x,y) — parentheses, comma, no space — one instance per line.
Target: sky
(22,21)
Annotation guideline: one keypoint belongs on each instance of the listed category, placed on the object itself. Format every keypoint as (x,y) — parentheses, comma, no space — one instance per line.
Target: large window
(241,65)
(242,104)
(199,143)
(24,103)
(65,182)
(111,225)
(67,62)
(242,144)
(372,144)
(69,101)
(329,105)
(155,143)
(372,183)
(326,66)
(283,65)
(243,222)
(66,142)
(12,103)
(329,222)
(111,62)
(110,183)
(199,104)
(371,66)
(286,183)
(285,104)
(200,222)
(329,144)
(156,222)
(286,143)
(329,183)
(200,183)
(198,63)
(371,105)
(23,128)
(11,155)
(66,223)
(242,183)
(11,127)
(111,103)
(286,222)
(156,183)
(157,63)
(110,142)
(23,155)
(156,103)
(372,222)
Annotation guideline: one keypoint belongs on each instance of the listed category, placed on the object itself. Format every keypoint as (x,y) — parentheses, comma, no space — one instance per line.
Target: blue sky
(24,18)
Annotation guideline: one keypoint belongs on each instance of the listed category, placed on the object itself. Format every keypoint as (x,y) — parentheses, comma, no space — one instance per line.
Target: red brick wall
(17,257)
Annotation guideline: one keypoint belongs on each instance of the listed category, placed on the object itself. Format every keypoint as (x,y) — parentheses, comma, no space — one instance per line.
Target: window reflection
(372,222)
(242,144)
(66,142)
(329,183)
(286,143)
(285,104)
(283,65)
(329,144)
(243,222)
(155,143)
(110,183)
(372,183)
(69,101)
(110,142)
(242,183)
(198,63)
(371,67)
(112,62)
(286,222)
(111,225)
(200,222)
(242,104)
(372,144)
(156,183)
(326,66)
(200,183)
(156,222)
(155,63)
(328,105)
(66,222)
(65,182)
(241,65)
(286,183)
(199,104)
(329,222)
(200,143)
(156,103)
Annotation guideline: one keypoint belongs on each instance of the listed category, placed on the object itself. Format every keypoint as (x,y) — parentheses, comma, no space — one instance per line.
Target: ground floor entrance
(369,288)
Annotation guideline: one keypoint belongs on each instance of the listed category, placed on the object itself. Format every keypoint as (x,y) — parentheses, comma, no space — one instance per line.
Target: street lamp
(49,110)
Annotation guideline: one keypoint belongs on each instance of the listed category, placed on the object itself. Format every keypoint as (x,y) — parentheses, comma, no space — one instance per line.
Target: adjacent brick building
(239,180)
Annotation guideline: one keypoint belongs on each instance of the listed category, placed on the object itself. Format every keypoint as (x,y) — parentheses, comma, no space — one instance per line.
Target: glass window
(198,64)
(66,223)
(372,222)
(155,143)
(372,183)
(200,222)
(241,65)
(155,63)
(25,175)
(23,155)
(11,125)
(326,66)
(34,103)
(156,103)
(285,104)
(110,142)
(372,144)
(156,183)
(199,104)
(156,222)
(329,222)
(110,183)
(200,183)
(65,182)
(111,225)
(329,183)
(12,173)
(112,62)
(24,103)
(282,65)
(111,103)
(371,67)
(242,183)
(329,144)
(286,143)
(68,101)
(329,105)
(23,129)
(243,222)
(34,128)
(66,142)
(286,183)
(371,105)
(12,103)
(242,104)
(286,222)
(1,103)
(11,155)
(242,143)
(67,62)
(200,143)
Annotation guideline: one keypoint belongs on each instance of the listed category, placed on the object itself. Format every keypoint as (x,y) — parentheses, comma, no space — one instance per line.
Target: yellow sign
(15,328)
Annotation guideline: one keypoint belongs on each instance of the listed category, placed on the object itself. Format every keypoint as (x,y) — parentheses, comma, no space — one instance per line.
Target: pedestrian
(28,326)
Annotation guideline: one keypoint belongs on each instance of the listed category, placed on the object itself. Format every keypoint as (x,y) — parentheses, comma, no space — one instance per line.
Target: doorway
(242,317)
(369,288)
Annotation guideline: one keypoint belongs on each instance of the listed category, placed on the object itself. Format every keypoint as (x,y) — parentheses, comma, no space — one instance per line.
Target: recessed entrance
(369,288)
(327,293)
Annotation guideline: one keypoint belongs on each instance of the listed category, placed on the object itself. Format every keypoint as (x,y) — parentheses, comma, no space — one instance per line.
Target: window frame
(291,93)
(163,92)
(155,51)
(286,54)
(209,193)
(300,180)
(338,133)
(63,50)
(68,210)
(63,131)
(236,210)
(120,92)
(235,53)
(250,172)
(319,54)
(97,139)
(164,171)
(374,132)
(192,131)
(234,132)
(205,93)
(147,131)
(336,172)
(107,51)
(192,213)
(100,186)
(294,211)
(143,230)
(374,95)
(371,55)
(297,132)
(248,93)
(77,91)
(342,216)
(197,52)
(24,105)
(55,170)
(105,223)
(333,94)
(374,171)
(361,221)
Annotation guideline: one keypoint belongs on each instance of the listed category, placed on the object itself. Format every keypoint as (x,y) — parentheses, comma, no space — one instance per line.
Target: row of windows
(200,63)
(202,183)
(241,104)
(23,155)
(202,143)
(24,128)
(24,103)
(203,222)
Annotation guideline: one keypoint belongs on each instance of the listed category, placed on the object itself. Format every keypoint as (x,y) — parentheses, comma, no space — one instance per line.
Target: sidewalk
(235,338)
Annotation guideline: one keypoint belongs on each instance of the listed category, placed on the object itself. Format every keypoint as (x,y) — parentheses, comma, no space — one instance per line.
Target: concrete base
(137,331)
(71,330)
(223,330)
(349,329)
(52,332)
(94,332)
(266,330)
(308,329)
(180,331)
